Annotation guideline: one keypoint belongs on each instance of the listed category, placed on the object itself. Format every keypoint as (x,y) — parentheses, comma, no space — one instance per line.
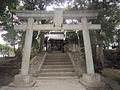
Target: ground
(52,85)
(9,67)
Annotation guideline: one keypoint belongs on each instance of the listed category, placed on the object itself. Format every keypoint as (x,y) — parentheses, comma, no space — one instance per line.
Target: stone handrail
(36,63)
(78,62)
(74,65)
(43,59)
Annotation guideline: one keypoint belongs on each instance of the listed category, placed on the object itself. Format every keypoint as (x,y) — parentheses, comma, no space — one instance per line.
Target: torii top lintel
(58,16)
(49,15)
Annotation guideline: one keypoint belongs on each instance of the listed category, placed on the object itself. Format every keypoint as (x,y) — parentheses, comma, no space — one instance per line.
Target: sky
(1,39)
(50,8)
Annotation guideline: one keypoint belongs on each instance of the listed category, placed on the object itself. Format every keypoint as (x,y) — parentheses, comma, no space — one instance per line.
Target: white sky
(1,39)
(50,8)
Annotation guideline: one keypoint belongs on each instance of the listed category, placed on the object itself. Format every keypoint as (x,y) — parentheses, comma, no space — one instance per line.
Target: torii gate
(58,16)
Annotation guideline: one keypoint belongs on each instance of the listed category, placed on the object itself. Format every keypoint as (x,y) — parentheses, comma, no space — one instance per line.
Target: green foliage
(11,36)
(71,37)
(40,4)
(5,49)
(10,4)
(6,20)
(35,43)
(109,17)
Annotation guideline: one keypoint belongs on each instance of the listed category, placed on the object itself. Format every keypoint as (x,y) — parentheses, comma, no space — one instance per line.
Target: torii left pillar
(24,79)
(27,48)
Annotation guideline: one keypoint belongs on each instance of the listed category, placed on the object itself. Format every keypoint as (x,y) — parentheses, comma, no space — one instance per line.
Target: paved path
(52,85)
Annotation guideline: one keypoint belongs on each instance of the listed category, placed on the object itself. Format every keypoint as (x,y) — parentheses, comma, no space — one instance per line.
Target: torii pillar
(90,79)
(24,79)
(87,45)
(27,48)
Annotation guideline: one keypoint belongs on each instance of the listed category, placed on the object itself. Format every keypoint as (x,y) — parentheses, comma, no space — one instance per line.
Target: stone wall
(112,59)
(34,64)
(79,61)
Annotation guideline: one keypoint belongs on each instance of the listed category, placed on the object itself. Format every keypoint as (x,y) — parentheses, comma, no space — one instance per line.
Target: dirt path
(52,85)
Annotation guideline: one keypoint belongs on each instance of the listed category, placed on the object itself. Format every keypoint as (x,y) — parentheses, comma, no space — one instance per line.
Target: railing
(78,62)
(73,62)
(36,64)
(43,59)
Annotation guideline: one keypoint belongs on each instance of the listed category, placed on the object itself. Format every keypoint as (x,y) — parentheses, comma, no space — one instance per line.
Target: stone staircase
(57,66)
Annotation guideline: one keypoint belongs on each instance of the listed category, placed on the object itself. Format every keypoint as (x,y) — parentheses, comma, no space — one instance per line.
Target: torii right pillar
(89,79)
(87,45)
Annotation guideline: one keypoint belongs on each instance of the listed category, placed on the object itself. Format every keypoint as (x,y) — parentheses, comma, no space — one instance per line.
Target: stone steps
(57,63)
(57,56)
(57,66)
(52,74)
(57,60)
(57,77)
(58,70)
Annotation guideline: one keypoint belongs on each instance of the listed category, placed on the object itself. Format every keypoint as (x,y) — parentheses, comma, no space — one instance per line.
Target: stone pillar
(58,17)
(87,45)
(91,80)
(73,47)
(24,79)
(27,48)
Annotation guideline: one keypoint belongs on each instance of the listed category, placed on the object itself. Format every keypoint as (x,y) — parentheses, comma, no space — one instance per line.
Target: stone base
(23,81)
(36,74)
(92,81)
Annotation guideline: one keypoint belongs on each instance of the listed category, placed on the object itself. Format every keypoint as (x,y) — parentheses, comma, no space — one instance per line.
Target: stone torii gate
(58,16)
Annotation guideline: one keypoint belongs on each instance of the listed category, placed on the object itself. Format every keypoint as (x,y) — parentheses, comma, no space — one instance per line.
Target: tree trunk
(8,54)
(78,42)
(41,41)
(93,43)
(14,50)
(100,55)
(119,39)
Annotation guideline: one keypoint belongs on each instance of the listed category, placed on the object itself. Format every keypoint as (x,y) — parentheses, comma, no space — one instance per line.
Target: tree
(4,6)
(108,17)
(11,36)
(6,21)
(5,50)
